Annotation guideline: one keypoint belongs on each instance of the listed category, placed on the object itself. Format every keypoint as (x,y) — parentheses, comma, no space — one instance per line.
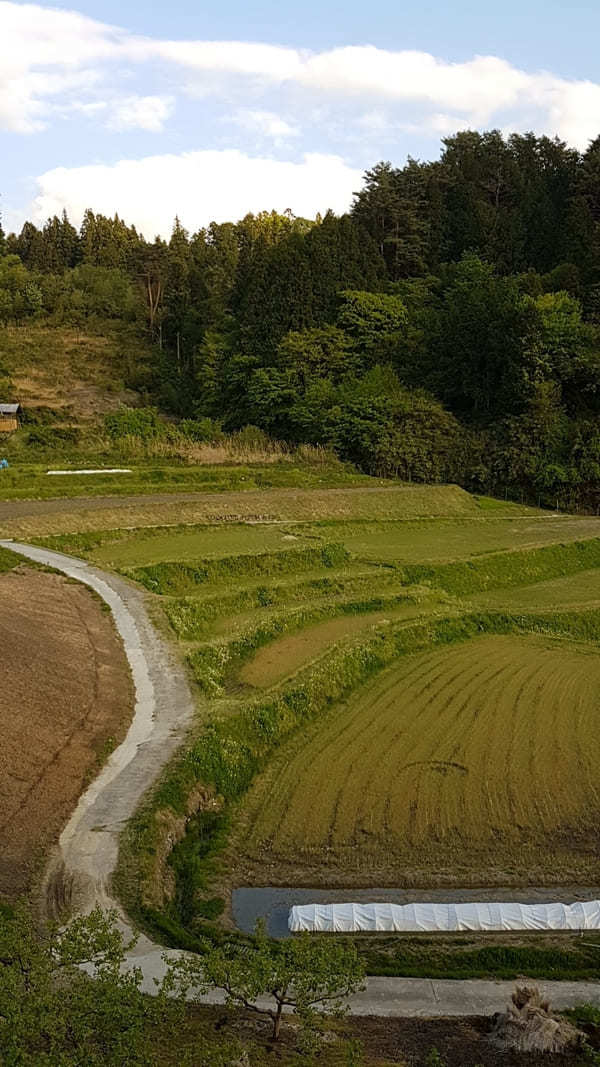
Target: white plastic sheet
(443,918)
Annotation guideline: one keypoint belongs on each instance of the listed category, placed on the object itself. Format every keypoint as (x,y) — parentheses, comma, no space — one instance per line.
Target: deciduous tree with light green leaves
(306,975)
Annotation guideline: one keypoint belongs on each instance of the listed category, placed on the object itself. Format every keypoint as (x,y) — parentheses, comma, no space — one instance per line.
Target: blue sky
(209,110)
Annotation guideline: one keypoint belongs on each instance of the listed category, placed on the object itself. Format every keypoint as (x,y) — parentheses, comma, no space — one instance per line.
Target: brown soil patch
(386,1042)
(461,1042)
(65,702)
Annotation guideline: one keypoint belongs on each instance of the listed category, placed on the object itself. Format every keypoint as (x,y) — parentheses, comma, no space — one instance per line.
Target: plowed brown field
(65,700)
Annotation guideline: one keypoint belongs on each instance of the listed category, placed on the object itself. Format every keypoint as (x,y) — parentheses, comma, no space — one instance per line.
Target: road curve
(88,845)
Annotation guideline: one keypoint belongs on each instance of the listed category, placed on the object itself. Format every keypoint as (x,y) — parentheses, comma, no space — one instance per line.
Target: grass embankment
(8,560)
(506,569)
(213,665)
(180,578)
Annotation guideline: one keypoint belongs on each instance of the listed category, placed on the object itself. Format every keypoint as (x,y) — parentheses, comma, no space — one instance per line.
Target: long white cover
(445,918)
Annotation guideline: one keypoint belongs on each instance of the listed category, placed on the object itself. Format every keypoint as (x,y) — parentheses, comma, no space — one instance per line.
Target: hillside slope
(65,375)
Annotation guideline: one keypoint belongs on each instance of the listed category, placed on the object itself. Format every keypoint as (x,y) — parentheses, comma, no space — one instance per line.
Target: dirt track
(65,700)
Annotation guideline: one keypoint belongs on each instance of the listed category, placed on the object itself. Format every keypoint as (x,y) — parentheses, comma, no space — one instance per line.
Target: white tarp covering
(100,470)
(443,918)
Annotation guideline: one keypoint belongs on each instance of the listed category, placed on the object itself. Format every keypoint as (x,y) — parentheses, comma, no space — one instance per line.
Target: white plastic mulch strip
(443,918)
(101,470)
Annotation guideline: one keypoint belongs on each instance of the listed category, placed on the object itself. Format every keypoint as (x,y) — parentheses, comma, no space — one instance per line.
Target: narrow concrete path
(88,846)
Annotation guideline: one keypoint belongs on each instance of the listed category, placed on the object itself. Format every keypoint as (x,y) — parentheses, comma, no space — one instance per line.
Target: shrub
(53,436)
(144,423)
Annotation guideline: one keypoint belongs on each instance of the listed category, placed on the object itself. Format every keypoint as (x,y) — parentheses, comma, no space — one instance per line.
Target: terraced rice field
(575,591)
(281,658)
(197,543)
(476,761)
(455,539)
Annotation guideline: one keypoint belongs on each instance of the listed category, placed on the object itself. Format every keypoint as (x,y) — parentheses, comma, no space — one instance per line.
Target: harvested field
(38,518)
(478,760)
(66,701)
(287,654)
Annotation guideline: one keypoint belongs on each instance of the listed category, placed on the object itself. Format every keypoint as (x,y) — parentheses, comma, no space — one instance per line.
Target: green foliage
(191,617)
(53,437)
(144,423)
(302,973)
(391,431)
(8,560)
(424,958)
(371,319)
(433,1059)
(469,282)
(52,1013)
(480,333)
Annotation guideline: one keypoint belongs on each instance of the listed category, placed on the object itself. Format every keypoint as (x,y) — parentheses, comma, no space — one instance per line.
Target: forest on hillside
(446,329)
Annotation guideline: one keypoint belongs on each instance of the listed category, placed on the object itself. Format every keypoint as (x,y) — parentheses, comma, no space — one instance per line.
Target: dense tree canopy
(448,326)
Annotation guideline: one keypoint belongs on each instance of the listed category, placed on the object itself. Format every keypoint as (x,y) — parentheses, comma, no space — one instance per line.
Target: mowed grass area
(207,542)
(475,762)
(574,591)
(445,540)
(375,540)
(32,482)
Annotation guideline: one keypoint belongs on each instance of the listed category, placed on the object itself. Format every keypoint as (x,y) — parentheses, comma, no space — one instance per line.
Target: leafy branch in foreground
(302,974)
(52,1012)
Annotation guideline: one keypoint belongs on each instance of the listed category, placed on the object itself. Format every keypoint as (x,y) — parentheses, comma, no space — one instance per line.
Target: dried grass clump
(528,1026)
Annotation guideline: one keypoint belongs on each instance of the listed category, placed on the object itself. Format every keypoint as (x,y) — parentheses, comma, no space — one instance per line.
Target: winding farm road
(88,848)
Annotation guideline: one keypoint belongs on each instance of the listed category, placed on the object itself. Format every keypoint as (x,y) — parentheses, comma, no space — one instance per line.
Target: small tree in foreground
(304,974)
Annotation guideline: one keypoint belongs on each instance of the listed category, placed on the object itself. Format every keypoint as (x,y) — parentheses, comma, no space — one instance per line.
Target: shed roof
(10,409)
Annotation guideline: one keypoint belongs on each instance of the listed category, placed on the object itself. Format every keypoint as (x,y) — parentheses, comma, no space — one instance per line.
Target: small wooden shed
(9,417)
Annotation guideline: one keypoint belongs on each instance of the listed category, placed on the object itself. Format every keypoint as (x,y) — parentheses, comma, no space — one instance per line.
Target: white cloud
(45,54)
(266,61)
(50,58)
(264,124)
(198,186)
(141,112)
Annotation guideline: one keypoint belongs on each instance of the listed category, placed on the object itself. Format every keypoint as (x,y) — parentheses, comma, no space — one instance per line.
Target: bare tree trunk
(277,1023)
